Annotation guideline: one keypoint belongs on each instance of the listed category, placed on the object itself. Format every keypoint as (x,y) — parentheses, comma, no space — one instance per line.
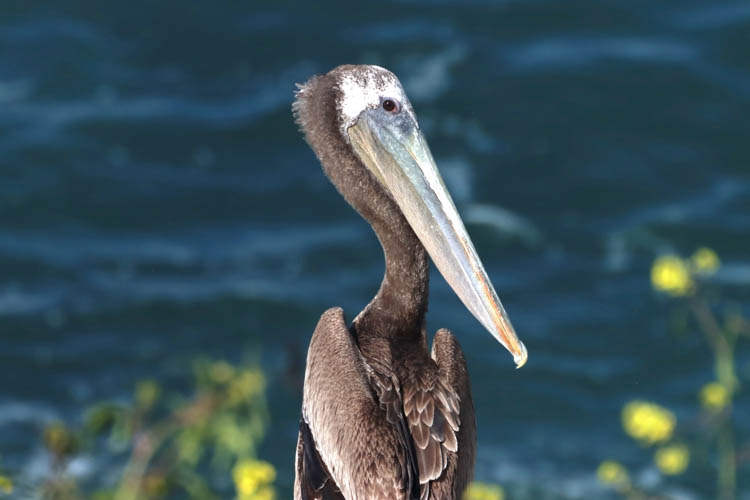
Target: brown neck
(399,307)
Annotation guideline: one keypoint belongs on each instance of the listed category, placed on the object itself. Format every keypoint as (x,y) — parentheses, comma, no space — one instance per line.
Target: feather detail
(431,410)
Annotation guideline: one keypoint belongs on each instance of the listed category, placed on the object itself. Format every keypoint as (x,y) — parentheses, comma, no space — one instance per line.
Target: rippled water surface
(157,202)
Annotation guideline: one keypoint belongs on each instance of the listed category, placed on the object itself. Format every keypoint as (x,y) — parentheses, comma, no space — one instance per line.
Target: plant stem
(150,440)
(727,480)
(722,344)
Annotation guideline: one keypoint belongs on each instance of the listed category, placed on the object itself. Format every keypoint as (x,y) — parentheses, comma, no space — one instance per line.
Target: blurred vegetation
(6,484)
(169,445)
(201,446)
(483,491)
(708,439)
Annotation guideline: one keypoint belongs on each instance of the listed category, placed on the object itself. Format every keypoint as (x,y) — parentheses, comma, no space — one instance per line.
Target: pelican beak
(393,148)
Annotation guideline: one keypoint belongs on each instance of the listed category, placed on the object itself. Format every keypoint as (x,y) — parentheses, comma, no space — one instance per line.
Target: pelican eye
(390,105)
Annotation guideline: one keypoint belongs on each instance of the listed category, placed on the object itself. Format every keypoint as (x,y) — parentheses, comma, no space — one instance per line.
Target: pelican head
(376,120)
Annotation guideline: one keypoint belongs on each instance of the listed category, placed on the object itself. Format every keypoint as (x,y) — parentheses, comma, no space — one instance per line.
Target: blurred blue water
(157,202)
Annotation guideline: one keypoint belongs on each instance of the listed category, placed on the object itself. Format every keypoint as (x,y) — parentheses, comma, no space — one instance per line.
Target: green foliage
(171,444)
(6,483)
(711,435)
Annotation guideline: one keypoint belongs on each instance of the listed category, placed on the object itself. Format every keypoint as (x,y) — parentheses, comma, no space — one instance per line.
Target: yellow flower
(6,485)
(714,396)
(483,491)
(648,422)
(613,474)
(671,275)
(263,493)
(672,459)
(252,478)
(247,384)
(59,439)
(704,261)
(221,372)
(146,393)
(155,485)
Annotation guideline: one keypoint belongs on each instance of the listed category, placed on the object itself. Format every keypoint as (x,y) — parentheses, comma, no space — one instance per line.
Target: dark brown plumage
(382,417)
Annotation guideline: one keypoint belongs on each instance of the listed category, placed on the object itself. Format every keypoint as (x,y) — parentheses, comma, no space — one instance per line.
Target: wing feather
(363,452)
(454,404)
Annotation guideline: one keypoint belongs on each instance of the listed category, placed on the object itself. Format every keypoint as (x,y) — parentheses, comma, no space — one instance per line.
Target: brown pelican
(382,417)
